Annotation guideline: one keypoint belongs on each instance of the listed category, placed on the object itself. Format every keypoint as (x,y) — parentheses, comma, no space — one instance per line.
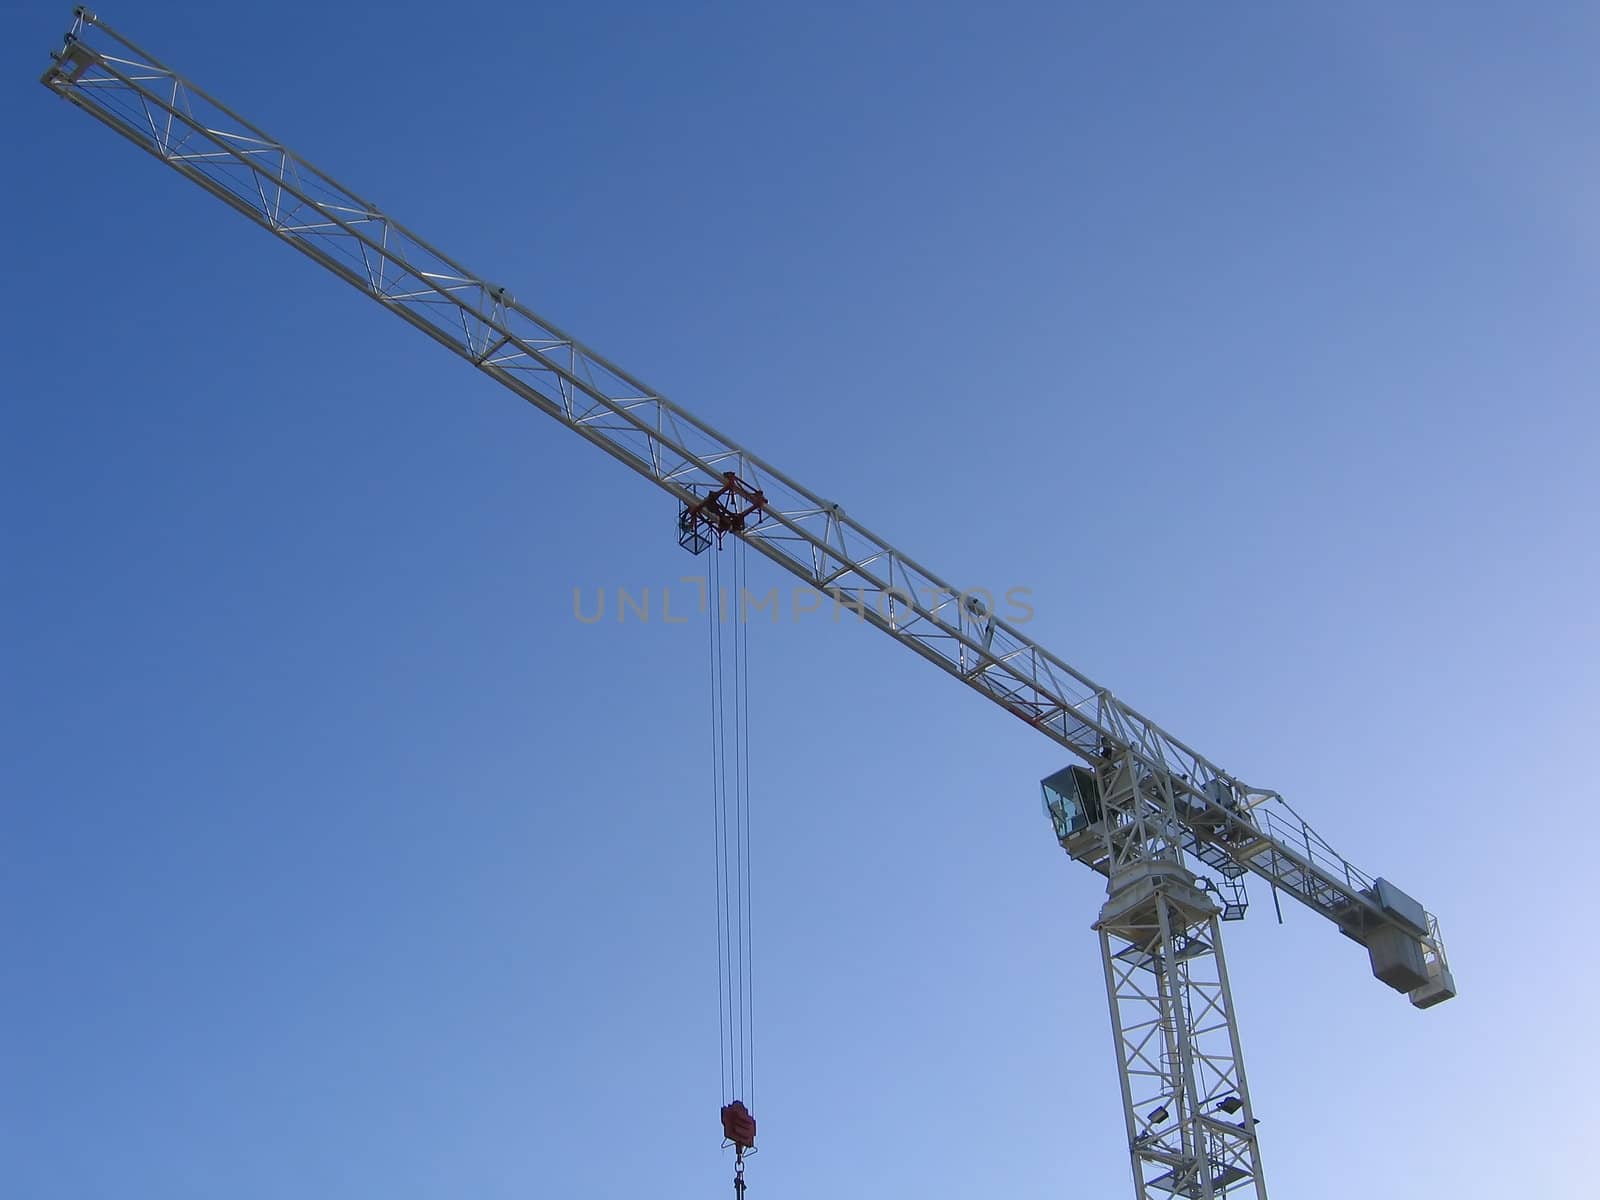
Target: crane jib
(190,131)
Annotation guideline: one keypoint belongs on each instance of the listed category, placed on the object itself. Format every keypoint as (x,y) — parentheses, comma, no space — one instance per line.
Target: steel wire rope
(747,921)
(737,825)
(731,833)
(718,805)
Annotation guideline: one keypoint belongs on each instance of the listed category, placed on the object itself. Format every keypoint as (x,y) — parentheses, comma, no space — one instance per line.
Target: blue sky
(342,861)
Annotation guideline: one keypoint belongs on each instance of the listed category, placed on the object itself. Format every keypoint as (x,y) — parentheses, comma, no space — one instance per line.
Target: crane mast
(1140,807)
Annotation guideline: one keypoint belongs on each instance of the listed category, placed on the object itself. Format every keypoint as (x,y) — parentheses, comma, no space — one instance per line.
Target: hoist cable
(724,1013)
(730,803)
(747,922)
(730,788)
(737,829)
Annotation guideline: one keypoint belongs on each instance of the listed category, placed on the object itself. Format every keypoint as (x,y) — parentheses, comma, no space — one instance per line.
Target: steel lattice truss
(107,76)
(1191,1129)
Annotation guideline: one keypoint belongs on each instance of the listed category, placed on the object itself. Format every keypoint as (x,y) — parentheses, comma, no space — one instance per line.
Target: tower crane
(1174,835)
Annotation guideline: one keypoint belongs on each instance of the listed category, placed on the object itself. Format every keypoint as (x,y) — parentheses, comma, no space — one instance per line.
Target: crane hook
(738,1127)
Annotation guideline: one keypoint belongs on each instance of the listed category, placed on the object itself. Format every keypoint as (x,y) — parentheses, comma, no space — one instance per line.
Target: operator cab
(1072,802)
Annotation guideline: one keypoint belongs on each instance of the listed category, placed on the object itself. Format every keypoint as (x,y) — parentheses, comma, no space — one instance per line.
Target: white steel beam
(106,75)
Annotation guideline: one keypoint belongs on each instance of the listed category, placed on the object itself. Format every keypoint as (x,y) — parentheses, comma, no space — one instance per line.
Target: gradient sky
(341,861)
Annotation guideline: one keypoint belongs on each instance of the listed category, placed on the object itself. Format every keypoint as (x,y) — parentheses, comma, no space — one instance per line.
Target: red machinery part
(738,1126)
